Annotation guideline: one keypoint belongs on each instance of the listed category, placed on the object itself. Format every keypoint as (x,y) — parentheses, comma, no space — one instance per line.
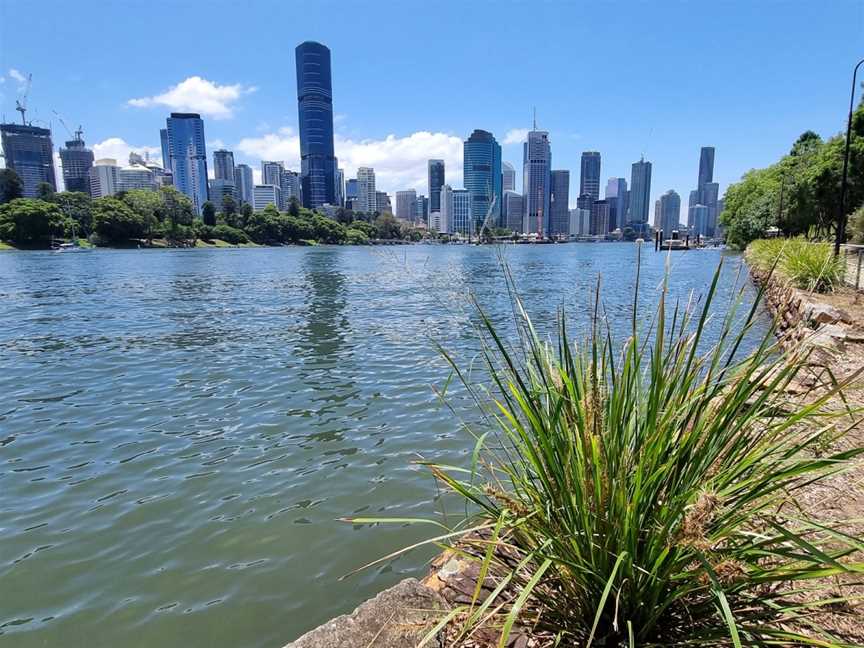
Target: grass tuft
(810,266)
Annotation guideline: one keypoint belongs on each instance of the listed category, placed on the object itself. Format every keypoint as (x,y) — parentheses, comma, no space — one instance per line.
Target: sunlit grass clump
(643,492)
(810,266)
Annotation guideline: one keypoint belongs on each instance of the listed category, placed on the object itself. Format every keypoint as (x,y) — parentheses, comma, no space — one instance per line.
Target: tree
(113,220)
(30,220)
(229,210)
(10,186)
(176,209)
(327,230)
(246,212)
(147,205)
(208,213)
(78,208)
(387,226)
(356,237)
(294,206)
(44,191)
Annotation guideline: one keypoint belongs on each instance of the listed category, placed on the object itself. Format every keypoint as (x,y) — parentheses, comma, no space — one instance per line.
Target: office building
(436,181)
(589,179)
(104,178)
(421,209)
(599,218)
(292,187)
(188,156)
(456,213)
(670,213)
(219,189)
(166,154)
(710,197)
(77,160)
(436,222)
(481,169)
(508,177)
(640,192)
(223,165)
(244,183)
(366,195)
(271,172)
(351,194)
(616,196)
(318,162)
(382,203)
(700,220)
(580,222)
(559,203)
(29,152)
(266,194)
(135,176)
(340,187)
(406,205)
(536,180)
(513,211)
(706,166)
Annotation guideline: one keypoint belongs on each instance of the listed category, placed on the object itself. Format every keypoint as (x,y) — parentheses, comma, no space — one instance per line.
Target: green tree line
(800,193)
(167,214)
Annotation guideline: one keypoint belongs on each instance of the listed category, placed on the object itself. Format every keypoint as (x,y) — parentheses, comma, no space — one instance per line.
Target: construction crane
(21,104)
(74,135)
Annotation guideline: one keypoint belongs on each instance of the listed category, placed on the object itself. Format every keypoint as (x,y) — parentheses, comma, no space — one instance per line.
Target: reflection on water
(180,429)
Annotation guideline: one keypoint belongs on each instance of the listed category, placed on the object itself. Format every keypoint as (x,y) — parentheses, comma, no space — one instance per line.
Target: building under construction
(28,151)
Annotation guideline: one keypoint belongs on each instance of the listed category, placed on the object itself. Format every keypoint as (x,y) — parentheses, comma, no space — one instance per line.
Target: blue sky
(412,79)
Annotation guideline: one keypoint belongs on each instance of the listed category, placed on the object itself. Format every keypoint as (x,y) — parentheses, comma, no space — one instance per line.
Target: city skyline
(255,116)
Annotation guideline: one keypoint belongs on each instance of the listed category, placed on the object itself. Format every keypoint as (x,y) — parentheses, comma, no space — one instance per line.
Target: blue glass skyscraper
(188,157)
(482,177)
(315,103)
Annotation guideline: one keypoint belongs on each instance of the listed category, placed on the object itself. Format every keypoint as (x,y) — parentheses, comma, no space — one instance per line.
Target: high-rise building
(508,177)
(691,203)
(352,192)
(706,165)
(406,205)
(244,183)
(580,222)
(77,160)
(589,179)
(700,220)
(188,156)
(600,218)
(219,189)
(223,165)
(513,211)
(30,153)
(166,153)
(366,197)
(559,203)
(670,212)
(706,194)
(291,186)
(315,104)
(135,176)
(271,172)
(266,194)
(340,187)
(382,203)
(616,196)
(456,212)
(640,192)
(421,209)
(436,181)
(104,178)
(536,180)
(481,171)
(710,197)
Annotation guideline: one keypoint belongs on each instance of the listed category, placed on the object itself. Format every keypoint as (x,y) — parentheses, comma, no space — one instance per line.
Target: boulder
(825,314)
(398,617)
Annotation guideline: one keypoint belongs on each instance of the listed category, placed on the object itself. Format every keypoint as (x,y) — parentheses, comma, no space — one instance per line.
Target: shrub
(810,266)
(356,237)
(30,220)
(632,495)
(230,234)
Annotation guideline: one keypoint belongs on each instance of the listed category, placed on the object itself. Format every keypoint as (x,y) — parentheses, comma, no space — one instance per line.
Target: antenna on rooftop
(535,118)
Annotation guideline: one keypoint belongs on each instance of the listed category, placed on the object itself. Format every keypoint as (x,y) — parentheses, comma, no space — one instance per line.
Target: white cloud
(516,136)
(118,149)
(399,162)
(18,76)
(196,94)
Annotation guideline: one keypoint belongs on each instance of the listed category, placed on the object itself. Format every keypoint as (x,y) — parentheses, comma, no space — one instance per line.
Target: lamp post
(841,217)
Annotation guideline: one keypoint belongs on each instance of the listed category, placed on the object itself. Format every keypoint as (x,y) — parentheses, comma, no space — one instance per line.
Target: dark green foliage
(78,208)
(30,220)
(208,213)
(114,220)
(10,186)
(230,234)
(294,206)
(45,191)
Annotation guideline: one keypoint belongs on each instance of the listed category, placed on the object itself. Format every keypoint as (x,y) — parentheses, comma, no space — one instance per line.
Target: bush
(230,234)
(113,220)
(356,237)
(631,495)
(810,266)
(29,220)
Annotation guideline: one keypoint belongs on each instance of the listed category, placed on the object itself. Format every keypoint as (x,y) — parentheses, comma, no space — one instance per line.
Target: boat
(73,246)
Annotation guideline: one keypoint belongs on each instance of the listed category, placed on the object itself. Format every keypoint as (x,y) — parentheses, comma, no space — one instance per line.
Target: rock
(830,337)
(825,314)
(397,618)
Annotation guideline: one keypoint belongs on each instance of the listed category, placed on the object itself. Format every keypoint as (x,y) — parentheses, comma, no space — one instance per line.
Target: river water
(180,430)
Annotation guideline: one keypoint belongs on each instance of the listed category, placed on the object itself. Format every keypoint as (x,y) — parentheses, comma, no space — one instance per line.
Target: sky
(411,80)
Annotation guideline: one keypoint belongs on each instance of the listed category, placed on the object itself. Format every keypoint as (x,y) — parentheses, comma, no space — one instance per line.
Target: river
(180,429)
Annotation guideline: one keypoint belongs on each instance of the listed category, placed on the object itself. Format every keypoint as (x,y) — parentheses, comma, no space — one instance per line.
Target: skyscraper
(77,160)
(104,178)
(367,199)
(406,205)
(289,182)
(30,153)
(512,212)
(352,193)
(706,194)
(340,187)
(559,203)
(670,212)
(315,105)
(382,203)
(456,213)
(600,218)
(710,197)
(243,183)
(271,172)
(481,171)
(188,156)
(616,196)
(640,191)
(508,175)
(436,181)
(223,165)
(536,180)
(421,209)
(166,155)
(589,180)
(706,165)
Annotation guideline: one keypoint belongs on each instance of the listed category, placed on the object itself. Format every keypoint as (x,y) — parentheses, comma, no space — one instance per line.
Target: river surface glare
(180,430)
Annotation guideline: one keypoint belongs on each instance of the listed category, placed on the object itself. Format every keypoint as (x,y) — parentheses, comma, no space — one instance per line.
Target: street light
(841,217)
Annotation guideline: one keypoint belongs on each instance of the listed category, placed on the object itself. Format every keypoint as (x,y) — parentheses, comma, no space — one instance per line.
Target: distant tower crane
(76,135)
(21,104)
